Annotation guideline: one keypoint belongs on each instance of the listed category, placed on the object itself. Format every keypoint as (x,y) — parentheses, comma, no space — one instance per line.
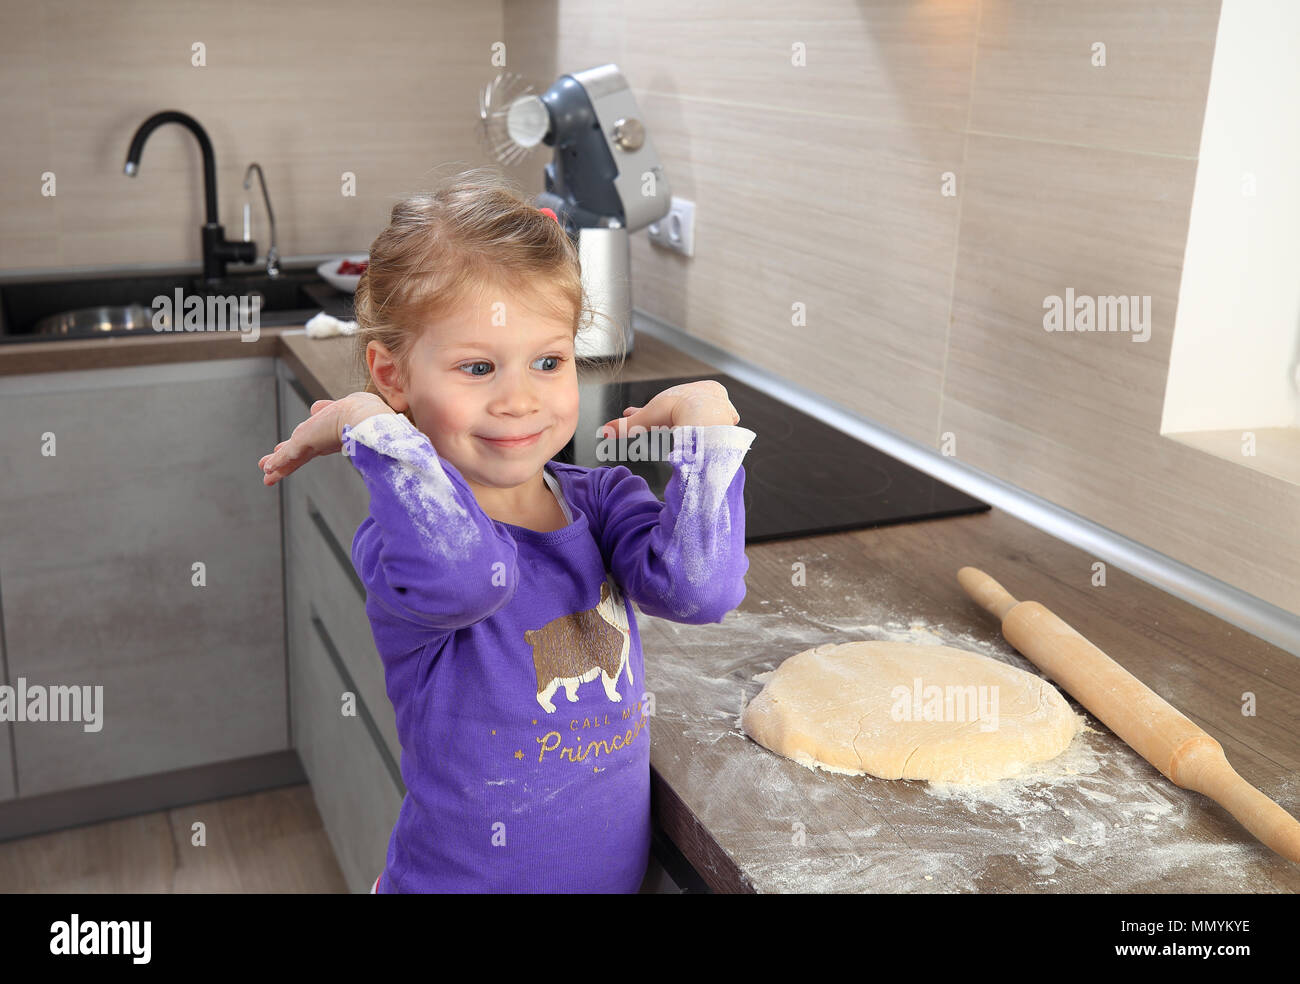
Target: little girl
(499,581)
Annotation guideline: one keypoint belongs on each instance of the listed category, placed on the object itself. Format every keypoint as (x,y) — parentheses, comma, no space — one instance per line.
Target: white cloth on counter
(326,326)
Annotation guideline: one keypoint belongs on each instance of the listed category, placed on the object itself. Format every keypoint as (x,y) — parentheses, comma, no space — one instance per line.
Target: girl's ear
(387,376)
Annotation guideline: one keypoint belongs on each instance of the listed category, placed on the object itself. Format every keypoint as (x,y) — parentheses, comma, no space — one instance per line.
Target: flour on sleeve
(708,459)
(415,473)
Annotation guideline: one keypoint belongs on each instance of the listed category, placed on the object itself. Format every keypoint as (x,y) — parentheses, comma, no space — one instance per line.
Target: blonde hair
(446,247)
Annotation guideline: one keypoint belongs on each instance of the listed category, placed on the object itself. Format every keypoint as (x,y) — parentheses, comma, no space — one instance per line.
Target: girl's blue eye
(557,359)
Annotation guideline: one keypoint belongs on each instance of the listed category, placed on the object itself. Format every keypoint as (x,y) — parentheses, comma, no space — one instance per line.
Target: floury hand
(701,403)
(319,434)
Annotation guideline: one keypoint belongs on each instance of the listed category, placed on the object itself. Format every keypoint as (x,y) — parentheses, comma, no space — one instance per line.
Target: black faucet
(217,250)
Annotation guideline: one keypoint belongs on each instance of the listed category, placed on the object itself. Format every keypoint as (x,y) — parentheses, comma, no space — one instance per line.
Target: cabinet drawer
(356,794)
(325,569)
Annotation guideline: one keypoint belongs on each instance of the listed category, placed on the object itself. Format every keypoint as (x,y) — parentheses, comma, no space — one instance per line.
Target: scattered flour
(1097,818)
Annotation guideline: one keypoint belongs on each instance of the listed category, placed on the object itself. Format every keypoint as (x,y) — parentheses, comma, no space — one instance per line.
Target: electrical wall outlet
(676,230)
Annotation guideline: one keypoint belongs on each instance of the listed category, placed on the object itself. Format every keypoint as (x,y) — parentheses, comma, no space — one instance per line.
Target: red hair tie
(547,211)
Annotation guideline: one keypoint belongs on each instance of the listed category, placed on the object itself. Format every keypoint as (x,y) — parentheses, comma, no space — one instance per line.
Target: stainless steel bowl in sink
(48,308)
(93,320)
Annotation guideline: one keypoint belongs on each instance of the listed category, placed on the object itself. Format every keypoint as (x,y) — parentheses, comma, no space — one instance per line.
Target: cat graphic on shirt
(575,649)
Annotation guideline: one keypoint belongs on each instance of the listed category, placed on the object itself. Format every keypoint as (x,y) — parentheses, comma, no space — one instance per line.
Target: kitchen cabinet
(325,503)
(352,759)
(357,795)
(323,563)
(139,553)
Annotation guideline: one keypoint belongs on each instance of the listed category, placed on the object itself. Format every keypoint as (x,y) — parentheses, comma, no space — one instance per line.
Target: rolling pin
(1181,750)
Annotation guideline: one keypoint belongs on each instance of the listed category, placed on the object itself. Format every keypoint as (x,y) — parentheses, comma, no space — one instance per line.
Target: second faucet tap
(272,254)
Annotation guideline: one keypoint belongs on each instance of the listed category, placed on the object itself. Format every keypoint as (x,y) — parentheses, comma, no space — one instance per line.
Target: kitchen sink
(50,308)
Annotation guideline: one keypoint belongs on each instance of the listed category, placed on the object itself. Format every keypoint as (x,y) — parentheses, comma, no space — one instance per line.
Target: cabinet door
(143,556)
(324,567)
(322,509)
(356,789)
(351,760)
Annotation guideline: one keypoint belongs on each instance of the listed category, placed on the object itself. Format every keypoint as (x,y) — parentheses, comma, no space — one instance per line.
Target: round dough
(902,711)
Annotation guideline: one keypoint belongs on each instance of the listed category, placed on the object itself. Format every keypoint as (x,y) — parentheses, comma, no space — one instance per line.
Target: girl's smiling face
(499,369)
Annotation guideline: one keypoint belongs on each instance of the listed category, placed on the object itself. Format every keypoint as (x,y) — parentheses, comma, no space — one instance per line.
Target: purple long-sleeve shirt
(513,660)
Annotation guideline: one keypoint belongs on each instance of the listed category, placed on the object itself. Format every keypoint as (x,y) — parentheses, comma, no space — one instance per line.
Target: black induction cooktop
(802,476)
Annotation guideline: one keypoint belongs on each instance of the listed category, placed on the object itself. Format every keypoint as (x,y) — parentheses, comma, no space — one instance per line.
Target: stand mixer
(604,181)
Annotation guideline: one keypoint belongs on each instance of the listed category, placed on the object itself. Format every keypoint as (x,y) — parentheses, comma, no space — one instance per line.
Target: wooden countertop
(20,358)
(1097,819)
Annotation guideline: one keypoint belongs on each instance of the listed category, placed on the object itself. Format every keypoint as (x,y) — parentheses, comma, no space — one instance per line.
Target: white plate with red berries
(344,272)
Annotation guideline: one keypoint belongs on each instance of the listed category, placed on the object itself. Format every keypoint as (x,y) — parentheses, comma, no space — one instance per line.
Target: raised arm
(427,553)
(684,558)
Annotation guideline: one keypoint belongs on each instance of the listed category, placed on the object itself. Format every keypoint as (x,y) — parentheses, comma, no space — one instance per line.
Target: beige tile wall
(308,89)
(817,184)
(821,184)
